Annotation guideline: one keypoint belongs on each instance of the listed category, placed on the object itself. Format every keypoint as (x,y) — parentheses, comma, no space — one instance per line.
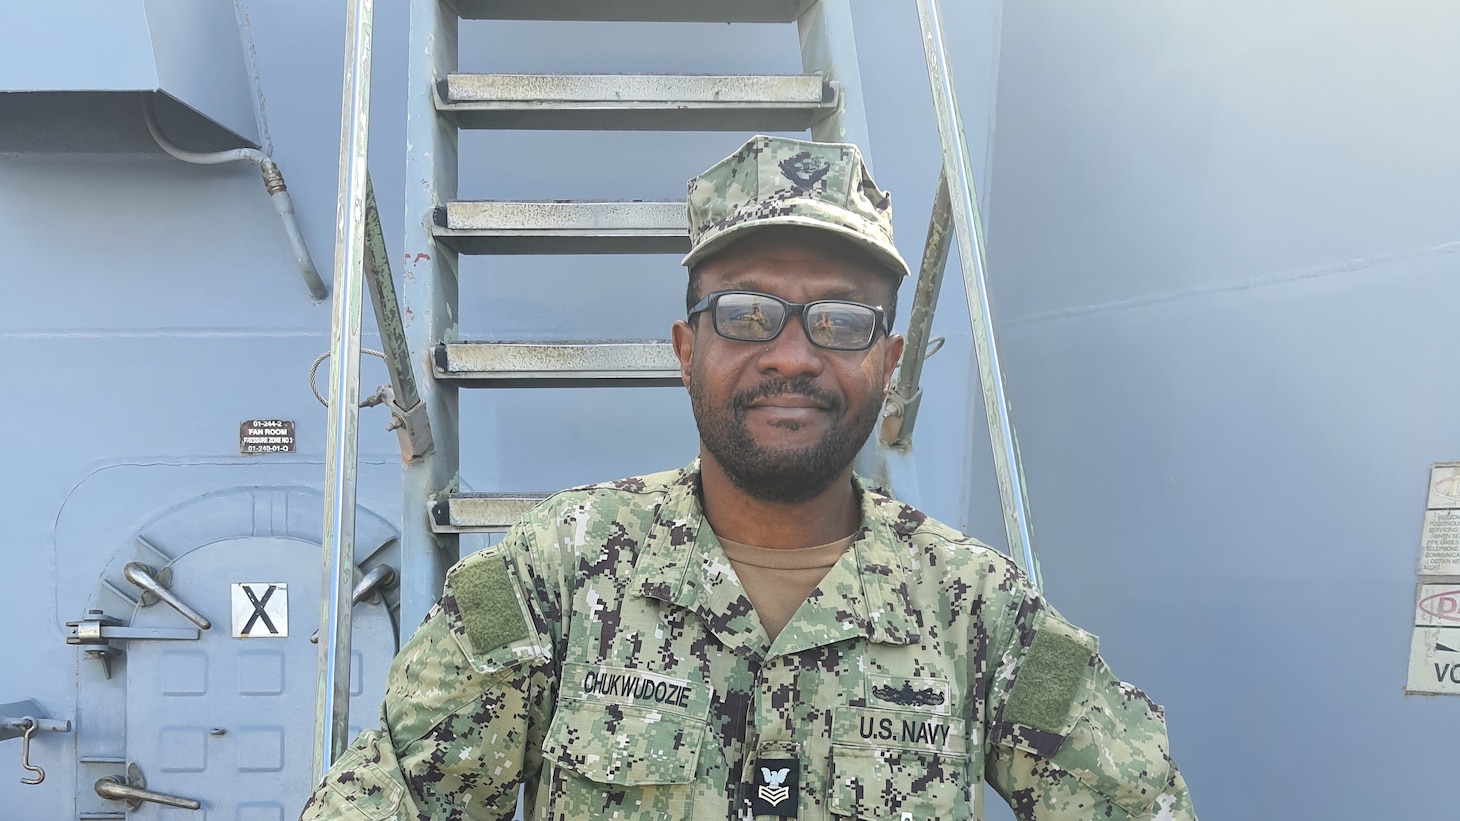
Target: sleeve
(1068,740)
(466,704)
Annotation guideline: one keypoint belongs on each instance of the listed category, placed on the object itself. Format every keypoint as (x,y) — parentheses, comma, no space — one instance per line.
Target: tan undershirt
(777,580)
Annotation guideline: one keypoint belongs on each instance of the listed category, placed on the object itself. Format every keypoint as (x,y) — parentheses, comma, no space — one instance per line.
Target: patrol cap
(780,181)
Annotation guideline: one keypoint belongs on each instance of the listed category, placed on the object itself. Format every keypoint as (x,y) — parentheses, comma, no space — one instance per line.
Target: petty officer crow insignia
(775,790)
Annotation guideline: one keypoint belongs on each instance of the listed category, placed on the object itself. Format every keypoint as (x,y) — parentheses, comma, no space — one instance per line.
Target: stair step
(565,227)
(481,512)
(637,102)
(638,363)
(676,11)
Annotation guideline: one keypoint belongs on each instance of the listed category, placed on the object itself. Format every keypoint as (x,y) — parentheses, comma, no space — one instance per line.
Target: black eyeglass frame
(711,299)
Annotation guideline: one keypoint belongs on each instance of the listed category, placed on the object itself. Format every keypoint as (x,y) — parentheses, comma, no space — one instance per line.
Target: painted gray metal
(828,43)
(216,719)
(582,227)
(481,512)
(332,697)
(273,181)
(429,288)
(957,174)
(605,363)
(701,11)
(172,687)
(645,102)
(49,76)
(1224,255)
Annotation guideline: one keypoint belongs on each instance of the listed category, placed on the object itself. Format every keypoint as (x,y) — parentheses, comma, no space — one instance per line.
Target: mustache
(803,386)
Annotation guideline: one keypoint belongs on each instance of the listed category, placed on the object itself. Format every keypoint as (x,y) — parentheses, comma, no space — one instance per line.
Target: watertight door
(228,719)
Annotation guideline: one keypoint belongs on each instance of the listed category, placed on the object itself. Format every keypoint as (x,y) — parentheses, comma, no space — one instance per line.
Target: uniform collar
(865,594)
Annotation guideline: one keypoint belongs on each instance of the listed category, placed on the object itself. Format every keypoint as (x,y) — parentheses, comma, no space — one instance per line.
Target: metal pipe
(273,183)
(966,221)
(332,699)
(284,205)
(252,155)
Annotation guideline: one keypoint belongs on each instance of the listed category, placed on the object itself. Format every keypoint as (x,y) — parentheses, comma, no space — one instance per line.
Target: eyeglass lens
(756,318)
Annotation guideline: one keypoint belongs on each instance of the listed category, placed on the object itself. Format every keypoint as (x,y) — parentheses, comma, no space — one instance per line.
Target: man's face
(784,418)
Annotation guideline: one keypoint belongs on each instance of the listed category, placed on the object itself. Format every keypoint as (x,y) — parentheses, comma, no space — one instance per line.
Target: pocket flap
(624,744)
(888,783)
(359,787)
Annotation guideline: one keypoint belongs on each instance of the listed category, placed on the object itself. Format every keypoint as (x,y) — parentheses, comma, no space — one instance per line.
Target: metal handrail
(969,228)
(332,699)
(906,395)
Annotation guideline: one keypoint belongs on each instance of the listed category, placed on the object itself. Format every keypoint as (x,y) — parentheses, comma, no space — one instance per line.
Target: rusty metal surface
(568,218)
(688,11)
(558,364)
(387,306)
(902,405)
(481,512)
(630,88)
(637,102)
(565,227)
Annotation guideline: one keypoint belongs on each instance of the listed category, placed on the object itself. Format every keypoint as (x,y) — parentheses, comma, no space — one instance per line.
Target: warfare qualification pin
(775,788)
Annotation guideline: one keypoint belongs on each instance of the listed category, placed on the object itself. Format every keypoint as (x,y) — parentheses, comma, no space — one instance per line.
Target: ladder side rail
(829,48)
(971,258)
(429,295)
(332,698)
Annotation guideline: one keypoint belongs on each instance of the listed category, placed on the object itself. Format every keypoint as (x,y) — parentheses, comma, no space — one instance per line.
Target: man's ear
(682,337)
(891,353)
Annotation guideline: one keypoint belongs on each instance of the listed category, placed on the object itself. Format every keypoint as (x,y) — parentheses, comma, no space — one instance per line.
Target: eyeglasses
(829,323)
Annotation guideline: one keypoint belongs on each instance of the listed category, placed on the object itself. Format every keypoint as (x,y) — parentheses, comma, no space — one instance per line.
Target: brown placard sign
(266,436)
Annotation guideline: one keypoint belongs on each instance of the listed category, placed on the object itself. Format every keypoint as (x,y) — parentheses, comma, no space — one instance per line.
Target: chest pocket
(622,760)
(899,765)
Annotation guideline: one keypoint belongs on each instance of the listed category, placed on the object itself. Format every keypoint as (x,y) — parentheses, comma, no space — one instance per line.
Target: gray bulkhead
(1223,255)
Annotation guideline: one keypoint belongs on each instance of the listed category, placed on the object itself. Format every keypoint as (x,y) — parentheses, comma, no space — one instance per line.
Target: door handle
(154,588)
(132,788)
(380,577)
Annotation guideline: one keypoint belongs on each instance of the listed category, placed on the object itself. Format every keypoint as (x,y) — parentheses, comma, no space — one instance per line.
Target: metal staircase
(825,99)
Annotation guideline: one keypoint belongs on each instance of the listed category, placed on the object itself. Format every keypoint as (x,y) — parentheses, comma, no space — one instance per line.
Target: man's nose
(791,352)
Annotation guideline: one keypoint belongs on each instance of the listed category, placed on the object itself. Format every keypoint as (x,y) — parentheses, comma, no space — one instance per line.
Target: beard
(782,475)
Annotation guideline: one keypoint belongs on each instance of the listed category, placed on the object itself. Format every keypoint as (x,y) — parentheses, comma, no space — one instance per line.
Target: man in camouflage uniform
(758,635)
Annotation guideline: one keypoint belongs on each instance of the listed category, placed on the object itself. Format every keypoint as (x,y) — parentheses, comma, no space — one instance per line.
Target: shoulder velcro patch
(487,600)
(1049,680)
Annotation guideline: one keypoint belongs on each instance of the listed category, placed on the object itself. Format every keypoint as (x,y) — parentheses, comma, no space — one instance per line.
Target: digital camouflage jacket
(604,657)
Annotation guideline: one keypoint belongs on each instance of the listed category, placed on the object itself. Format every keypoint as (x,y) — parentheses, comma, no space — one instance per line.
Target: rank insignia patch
(775,788)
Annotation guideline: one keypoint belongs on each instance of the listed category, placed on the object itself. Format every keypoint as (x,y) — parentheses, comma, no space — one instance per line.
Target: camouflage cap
(779,181)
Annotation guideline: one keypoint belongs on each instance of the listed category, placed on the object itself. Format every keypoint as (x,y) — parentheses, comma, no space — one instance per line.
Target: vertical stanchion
(332,699)
(969,229)
(429,294)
